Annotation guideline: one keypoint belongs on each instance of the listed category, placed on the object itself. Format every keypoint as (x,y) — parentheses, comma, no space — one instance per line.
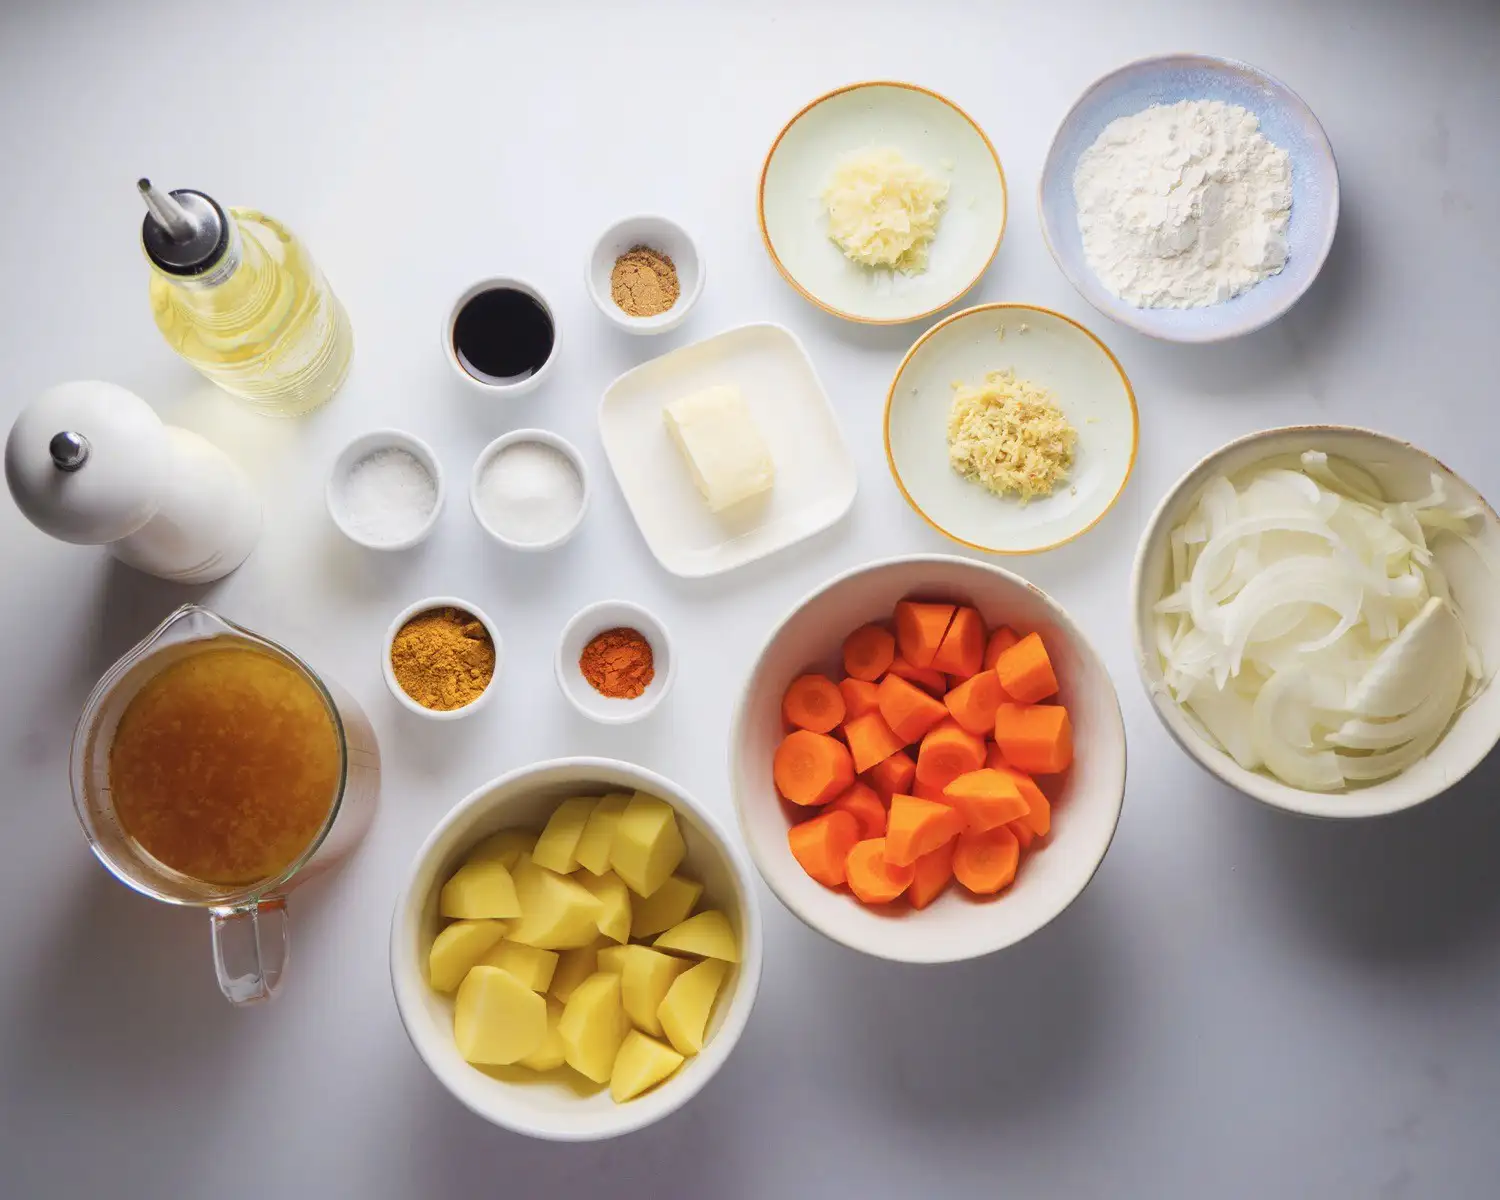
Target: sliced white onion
(1221,504)
(1217,565)
(1281,731)
(1285,485)
(1309,628)
(1372,768)
(1426,657)
(1179,559)
(1300,580)
(1342,477)
(1276,623)
(1226,715)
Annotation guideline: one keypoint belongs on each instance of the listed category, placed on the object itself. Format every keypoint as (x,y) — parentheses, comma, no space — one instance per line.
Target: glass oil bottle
(237,295)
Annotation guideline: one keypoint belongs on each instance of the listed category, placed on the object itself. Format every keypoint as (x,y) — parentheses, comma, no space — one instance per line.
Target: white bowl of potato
(608,996)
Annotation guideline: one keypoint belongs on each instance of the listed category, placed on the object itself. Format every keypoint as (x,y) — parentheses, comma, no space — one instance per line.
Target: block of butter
(724,450)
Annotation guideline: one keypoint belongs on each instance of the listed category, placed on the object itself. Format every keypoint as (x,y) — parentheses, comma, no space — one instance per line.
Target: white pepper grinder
(91,463)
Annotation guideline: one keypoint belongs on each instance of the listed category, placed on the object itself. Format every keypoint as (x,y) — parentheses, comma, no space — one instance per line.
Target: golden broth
(225,765)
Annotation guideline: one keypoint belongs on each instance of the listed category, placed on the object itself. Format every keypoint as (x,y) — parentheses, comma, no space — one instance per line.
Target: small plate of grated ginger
(1010,429)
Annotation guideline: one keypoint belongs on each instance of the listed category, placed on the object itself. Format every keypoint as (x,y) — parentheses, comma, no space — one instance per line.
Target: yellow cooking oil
(246,305)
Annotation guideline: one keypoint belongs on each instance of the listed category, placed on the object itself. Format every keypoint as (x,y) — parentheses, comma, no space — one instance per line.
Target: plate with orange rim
(924,128)
(1047,349)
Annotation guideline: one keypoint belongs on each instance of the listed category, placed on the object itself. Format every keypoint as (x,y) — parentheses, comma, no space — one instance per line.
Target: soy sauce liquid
(503,336)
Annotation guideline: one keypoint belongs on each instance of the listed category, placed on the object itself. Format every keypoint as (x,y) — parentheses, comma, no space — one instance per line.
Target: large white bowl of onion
(1317,620)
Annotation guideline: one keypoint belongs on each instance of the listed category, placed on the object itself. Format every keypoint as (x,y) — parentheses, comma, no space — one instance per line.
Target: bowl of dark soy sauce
(501,336)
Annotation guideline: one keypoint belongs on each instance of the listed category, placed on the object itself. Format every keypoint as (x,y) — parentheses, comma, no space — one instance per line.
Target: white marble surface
(1242,1004)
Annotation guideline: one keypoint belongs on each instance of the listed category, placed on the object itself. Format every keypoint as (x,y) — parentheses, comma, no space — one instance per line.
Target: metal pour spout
(184,232)
(169,214)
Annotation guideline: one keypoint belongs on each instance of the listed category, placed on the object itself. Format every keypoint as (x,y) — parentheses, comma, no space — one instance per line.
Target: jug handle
(250,948)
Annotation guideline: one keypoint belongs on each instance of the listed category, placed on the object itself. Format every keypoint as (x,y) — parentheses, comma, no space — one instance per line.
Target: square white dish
(815,474)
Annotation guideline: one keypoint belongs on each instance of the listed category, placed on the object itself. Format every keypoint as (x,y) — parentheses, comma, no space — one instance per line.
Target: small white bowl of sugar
(530,490)
(385,490)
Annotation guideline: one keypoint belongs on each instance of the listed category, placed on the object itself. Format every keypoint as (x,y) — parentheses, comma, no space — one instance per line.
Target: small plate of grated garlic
(882,202)
(1010,429)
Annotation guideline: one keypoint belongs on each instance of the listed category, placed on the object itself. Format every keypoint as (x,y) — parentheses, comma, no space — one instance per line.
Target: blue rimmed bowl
(1284,118)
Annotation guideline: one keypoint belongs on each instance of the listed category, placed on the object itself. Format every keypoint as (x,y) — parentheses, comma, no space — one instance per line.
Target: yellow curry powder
(443,658)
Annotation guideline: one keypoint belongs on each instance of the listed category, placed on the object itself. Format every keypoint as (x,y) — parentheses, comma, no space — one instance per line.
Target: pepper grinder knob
(69,450)
(163,499)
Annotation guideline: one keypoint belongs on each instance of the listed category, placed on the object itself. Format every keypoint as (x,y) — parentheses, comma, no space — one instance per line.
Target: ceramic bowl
(1284,118)
(389,674)
(507,389)
(1087,799)
(665,237)
(924,128)
(362,447)
(503,442)
(1045,348)
(549,1108)
(1404,473)
(587,625)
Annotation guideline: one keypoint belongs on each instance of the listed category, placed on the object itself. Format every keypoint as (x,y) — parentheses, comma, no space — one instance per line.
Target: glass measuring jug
(213,768)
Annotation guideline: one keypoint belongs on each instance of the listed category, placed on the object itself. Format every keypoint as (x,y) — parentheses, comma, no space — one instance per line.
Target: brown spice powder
(643,282)
(443,658)
(618,663)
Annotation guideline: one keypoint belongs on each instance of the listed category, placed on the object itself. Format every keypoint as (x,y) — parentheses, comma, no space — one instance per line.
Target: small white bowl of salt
(385,490)
(530,490)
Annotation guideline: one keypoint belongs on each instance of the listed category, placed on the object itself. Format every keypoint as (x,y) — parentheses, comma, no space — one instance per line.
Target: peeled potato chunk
(539,957)
(508,847)
(708,935)
(592,1026)
(645,976)
(685,1009)
(458,947)
(531,966)
(614,900)
(648,845)
(497,1019)
(551,1054)
(670,904)
(557,847)
(599,834)
(480,889)
(573,967)
(556,912)
(642,1063)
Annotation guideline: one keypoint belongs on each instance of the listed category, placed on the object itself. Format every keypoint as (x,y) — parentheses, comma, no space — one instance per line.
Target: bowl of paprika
(615,662)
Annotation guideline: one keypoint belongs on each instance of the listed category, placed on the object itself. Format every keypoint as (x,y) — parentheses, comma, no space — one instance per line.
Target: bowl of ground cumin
(441,658)
(645,274)
(614,662)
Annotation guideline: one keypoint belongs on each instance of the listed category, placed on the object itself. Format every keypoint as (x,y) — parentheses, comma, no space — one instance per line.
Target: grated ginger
(1009,435)
(883,210)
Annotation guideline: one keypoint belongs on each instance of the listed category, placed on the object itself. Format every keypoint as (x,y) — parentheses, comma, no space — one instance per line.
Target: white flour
(1183,205)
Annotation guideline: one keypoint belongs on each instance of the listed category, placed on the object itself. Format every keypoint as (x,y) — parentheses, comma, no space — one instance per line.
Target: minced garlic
(1009,435)
(883,210)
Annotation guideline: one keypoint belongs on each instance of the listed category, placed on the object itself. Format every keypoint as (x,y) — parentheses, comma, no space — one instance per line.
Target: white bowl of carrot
(928,759)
